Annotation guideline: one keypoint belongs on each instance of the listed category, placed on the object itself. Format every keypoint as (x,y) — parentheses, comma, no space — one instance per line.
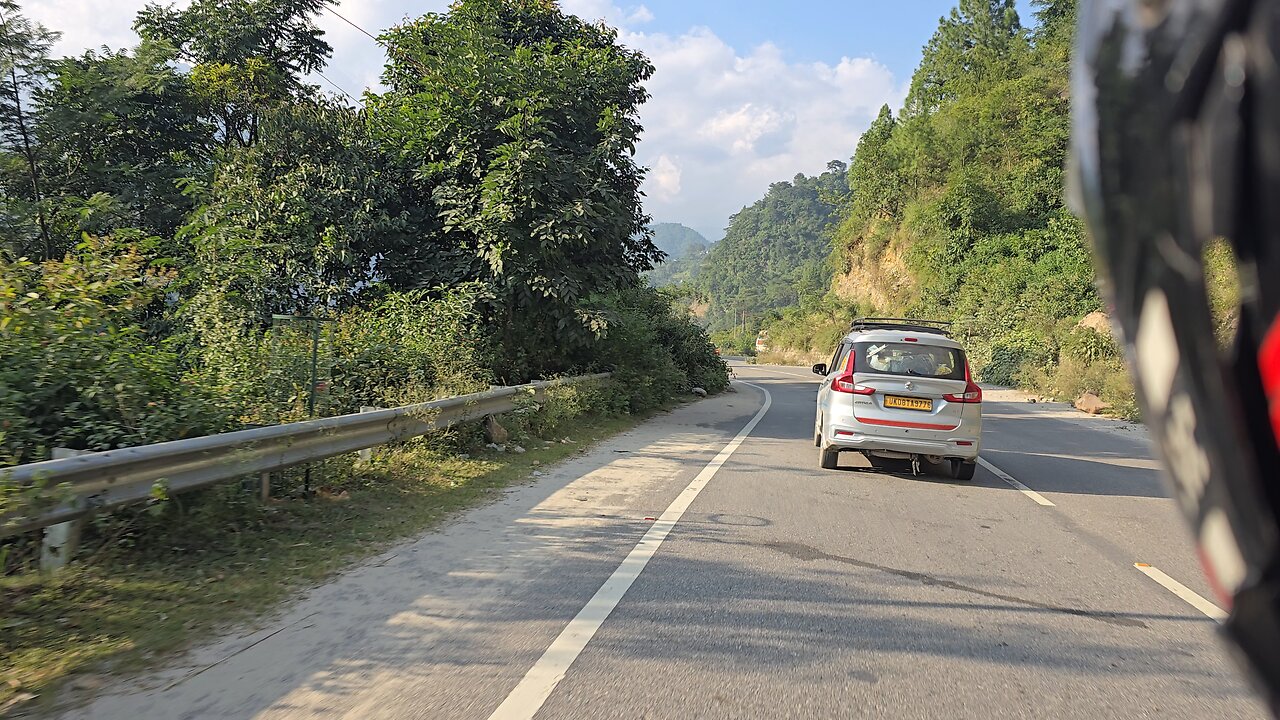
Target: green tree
(976,44)
(247,56)
(24,69)
(520,123)
(874,175)
(297,223)
(124,124)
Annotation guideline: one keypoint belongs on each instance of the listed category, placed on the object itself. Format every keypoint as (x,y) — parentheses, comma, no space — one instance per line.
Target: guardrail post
(61,541)
(366,455)
(265,480)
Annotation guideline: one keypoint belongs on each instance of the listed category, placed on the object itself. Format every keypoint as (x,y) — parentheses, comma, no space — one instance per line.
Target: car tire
(817,434)
(828,459)
(963,469)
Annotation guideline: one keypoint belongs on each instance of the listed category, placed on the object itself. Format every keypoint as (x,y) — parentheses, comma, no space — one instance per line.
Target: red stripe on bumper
(905,424)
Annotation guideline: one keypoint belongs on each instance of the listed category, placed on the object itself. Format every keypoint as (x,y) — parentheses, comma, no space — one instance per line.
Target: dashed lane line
(1037,497)
(1185,593)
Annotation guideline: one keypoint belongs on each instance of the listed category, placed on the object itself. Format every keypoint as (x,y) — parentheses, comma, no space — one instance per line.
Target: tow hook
(915,464)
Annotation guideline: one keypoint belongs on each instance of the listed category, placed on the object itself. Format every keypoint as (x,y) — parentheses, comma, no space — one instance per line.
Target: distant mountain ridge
(678,241)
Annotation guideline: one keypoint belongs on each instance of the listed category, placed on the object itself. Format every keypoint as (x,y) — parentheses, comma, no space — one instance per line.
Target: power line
(338,87)
(392,50)
(345,20)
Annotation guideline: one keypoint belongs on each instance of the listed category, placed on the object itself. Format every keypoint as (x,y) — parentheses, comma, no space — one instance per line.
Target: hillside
(774,251)
(685,249)
(678,241)
(956,211)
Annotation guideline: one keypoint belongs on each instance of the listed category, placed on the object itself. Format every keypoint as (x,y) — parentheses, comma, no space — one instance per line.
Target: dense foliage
(185,223)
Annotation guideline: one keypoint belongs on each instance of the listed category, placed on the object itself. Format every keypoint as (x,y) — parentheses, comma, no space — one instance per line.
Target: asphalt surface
(760,587)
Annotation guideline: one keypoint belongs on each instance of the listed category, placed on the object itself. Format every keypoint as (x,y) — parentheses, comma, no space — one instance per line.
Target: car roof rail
(936,327)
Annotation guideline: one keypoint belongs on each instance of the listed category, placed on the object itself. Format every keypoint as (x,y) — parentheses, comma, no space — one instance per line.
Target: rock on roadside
(1091,404)
(494,432)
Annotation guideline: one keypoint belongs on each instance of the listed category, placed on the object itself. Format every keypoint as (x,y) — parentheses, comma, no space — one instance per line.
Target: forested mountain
(685,248)
(774,251)
(955,209)
(678,241)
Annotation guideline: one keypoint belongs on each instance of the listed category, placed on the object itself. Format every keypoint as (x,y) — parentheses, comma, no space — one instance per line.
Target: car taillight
(972,393)
(845,383)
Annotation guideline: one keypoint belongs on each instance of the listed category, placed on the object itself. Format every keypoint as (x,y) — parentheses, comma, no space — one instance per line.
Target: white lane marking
(1187,594)
(770,368)
(1040,499)
(536,686)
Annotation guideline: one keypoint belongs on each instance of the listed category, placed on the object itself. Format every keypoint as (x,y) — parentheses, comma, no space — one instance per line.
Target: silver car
(901,390)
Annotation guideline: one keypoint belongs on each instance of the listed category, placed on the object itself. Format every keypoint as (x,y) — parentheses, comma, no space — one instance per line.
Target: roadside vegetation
(183,223)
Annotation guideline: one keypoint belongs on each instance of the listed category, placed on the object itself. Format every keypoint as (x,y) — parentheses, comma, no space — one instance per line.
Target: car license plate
(908,403)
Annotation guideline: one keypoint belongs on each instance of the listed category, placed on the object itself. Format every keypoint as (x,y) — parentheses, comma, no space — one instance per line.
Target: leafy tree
(24,68)
(874,176)
(976,44)
(246,55)
(296,223)
(125,125)
(520,123)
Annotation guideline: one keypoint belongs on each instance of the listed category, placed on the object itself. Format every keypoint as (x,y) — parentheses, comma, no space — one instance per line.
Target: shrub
(78,369)
(1011,354)
(408,348)
(655,352)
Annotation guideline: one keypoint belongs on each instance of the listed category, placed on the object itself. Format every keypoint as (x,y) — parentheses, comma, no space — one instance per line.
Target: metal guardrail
(105,480)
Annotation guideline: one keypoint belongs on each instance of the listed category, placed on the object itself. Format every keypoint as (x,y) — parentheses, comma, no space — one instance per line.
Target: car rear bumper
(851,438)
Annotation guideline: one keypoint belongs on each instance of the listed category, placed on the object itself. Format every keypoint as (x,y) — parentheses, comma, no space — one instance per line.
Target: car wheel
(828,459)
(817,433)
(963,469)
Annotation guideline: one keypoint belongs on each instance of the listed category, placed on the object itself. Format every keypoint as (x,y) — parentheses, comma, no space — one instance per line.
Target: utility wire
(338,15)
(338,87)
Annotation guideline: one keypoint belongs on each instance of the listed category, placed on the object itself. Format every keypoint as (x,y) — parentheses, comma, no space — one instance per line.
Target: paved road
(660,576)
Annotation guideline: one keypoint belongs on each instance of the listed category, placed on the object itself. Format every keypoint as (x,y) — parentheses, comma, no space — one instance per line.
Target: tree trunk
(30,156)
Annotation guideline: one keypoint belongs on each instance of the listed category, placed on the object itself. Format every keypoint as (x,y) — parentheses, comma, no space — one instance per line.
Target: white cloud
(722,123)
(741,121)
(664,179)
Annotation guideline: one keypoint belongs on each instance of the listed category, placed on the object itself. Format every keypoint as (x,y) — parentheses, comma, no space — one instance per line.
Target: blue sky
(891,32)
(747,92)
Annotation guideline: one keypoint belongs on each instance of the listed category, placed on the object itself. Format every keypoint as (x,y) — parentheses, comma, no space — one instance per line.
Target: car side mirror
(820,369)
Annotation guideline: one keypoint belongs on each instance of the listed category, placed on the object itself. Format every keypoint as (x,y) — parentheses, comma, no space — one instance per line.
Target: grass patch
(152,591)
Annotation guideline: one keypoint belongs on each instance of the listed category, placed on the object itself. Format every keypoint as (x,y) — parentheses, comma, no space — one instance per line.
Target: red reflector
(965,443)
(1269,368)
(845,433)
(910,340)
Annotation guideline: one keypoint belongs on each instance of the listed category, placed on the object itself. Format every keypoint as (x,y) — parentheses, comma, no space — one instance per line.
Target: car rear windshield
(915,359)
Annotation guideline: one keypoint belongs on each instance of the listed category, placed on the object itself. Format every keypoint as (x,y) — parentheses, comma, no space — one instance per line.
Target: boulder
(1091,404)
(494,432)
(1096,321)
(699,392)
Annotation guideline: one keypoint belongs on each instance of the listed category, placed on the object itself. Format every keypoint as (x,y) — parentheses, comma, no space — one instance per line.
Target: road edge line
(1011,480)
(1183,592)
(527,698)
